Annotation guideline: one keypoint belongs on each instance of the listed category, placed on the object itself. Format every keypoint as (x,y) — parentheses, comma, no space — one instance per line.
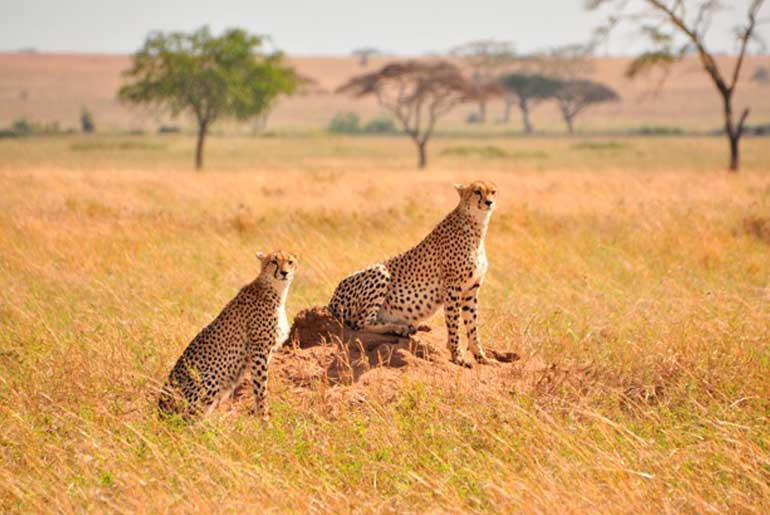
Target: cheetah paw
(406,331)
(462,360)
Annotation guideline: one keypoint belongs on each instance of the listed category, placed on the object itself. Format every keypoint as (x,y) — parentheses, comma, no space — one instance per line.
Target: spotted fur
(242,338)
(446,269)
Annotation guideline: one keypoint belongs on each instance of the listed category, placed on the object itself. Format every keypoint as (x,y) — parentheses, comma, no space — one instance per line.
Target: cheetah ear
(460,189)
(261,256)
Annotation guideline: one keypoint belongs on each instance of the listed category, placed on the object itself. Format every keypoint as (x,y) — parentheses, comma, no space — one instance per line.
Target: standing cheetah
(242,338)
(444,269)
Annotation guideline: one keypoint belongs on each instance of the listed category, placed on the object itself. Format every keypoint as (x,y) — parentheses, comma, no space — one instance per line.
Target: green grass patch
(492,152)
(599,145)
(112,146)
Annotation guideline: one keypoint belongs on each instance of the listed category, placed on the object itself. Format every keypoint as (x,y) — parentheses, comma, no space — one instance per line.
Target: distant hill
(54,87)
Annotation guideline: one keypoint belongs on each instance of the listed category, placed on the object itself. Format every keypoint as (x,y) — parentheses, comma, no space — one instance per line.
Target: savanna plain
(632,276)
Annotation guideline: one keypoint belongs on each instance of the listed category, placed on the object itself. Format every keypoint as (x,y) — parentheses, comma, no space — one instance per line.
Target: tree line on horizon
(230,76)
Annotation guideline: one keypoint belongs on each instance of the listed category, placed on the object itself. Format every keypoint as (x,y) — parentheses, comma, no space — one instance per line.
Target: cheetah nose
(284,273)
(488,202)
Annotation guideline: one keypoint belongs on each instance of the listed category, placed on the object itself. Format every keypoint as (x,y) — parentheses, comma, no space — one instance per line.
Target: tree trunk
(525,115)
(568,121)
(734,157)
(421,150)
(202,129)
(483,110)
(507,111)
(734,132)
(568,115)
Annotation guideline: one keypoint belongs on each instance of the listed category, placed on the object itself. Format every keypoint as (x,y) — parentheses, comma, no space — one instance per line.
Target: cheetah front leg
(258,367)
(452,304)
(470,304)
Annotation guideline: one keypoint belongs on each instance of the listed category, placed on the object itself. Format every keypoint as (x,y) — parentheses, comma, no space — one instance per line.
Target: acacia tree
(364,54)
(526,90)
(574,96)
(485,58)
(208,77)
(416,93)
(678,27)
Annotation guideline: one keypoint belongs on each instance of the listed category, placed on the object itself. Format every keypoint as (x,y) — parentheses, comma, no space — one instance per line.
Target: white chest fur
(283,328)
(480,267)
(283,322)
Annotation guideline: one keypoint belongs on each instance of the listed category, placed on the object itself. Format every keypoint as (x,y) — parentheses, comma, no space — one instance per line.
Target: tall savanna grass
(630,270)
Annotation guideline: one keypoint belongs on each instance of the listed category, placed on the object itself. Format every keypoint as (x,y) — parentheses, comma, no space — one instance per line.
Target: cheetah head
(278,265)
(478,197)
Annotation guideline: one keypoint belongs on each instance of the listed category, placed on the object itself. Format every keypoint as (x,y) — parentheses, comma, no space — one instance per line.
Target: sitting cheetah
(445,269)
(242,338)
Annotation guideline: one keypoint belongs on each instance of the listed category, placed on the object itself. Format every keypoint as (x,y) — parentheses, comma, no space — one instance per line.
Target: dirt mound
(327,362)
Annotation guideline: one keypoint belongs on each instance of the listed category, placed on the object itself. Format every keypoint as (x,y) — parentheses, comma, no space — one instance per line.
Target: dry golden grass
(58,85)
(633,265)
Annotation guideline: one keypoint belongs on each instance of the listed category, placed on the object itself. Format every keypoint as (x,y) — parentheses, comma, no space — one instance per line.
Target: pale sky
(322,27)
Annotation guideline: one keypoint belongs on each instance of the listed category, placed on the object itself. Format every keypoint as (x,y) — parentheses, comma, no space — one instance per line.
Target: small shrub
(761,75)
(22,126)
(758,130)
(87,121)
(380,125)
(473,118)
(169,129)
(648,130)
(345,123)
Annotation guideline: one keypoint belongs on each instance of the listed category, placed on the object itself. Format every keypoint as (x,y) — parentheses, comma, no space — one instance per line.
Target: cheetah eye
(291,263)
(478,192)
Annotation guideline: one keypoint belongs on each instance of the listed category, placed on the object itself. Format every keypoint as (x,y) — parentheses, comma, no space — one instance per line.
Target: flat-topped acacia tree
(416,93)
(527,90)
(207,77)
(574,96)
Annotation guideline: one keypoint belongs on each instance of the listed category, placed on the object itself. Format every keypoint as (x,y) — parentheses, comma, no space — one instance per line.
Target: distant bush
(22,126)
(648,130)
(8,133)
(474,118)
(758,130)
(87,121)
(169,129)
(761,75)
(345,123)
(380,125)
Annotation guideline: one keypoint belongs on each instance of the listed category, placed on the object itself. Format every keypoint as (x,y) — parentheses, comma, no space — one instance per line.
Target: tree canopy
(527,89)
(576,95)
(208,77)
(676,28)
(417,93)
